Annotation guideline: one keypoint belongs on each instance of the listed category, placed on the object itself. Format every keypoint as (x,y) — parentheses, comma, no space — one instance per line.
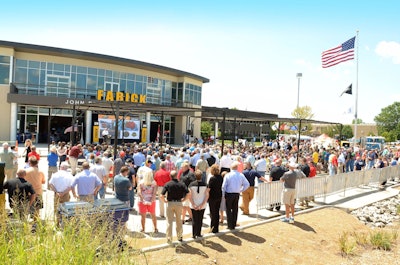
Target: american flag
(339,54)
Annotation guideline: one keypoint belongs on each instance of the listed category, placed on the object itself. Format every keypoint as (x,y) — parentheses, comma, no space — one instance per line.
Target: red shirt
(75,151)
(313,171)
(33,153)
(162,177)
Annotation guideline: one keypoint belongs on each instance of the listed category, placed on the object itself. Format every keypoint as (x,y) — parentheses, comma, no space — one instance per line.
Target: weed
(381,240)
(346,244)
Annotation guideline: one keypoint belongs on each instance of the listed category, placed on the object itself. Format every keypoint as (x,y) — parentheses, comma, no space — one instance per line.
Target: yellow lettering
(109,96)
(100,94)
(142,99)
(127,97)
(134,98)
(119,96)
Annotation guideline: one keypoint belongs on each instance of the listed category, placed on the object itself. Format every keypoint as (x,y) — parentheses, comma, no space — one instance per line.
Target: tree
(334,131)
(304,113)
(206,128)
(388,121)
(347,132)
(359,121)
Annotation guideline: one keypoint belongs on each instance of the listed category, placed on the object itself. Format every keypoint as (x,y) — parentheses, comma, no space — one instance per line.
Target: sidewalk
(349,200)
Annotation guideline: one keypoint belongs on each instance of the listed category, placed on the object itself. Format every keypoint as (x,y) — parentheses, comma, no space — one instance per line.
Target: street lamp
(260,132)
(299,76)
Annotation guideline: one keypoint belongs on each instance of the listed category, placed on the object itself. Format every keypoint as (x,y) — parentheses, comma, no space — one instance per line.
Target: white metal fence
(269,194)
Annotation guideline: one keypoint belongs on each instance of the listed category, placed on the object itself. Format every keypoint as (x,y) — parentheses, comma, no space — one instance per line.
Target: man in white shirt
(60,183)
(105,135)
(225,162)
(101,173)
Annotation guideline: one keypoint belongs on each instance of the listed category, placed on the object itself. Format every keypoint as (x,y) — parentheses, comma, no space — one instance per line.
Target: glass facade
(4,70)
(64,80)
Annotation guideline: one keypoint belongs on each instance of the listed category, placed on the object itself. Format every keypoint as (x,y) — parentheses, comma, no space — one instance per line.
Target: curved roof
(24,47)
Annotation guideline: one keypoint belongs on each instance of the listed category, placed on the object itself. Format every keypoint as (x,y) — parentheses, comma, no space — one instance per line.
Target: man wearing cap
(289,192)
(234,183)
(119,162)
(61,182)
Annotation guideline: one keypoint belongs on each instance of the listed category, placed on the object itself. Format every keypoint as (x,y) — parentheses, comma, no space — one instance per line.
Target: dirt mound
(313,239)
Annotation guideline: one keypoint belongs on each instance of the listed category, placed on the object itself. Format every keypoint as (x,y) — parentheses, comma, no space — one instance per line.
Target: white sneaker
(291,220)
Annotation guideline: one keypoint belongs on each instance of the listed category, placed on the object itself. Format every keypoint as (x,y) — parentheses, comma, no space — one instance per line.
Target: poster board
(131,127)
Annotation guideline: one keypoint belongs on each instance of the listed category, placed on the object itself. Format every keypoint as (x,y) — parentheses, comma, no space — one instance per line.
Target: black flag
(348,90)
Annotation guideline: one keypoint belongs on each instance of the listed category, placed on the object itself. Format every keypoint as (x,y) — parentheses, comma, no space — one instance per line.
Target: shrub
(86,239)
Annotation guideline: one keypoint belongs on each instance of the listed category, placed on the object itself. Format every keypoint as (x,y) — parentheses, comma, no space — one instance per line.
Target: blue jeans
(132,198)
(101,193)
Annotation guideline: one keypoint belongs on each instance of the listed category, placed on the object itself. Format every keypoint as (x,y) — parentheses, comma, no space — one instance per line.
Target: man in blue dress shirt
(234,183)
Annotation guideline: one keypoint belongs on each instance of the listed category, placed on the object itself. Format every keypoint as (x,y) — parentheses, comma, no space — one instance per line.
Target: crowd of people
(181,180)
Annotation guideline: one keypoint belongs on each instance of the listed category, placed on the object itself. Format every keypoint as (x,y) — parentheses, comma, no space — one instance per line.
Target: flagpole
(356,106)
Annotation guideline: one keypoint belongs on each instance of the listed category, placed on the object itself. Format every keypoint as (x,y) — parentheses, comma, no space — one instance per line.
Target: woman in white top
(198,196)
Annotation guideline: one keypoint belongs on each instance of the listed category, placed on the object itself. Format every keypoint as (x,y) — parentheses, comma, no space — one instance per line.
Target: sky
(250,50)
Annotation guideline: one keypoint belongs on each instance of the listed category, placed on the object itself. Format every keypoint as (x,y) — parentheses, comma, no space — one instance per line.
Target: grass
(383,239)
(379,239)
(85,240)
(347,244)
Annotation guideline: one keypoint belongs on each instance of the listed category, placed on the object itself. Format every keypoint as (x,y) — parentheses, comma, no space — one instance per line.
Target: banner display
(131,127)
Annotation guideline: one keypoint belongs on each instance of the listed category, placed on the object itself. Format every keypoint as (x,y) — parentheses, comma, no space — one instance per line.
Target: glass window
(140,78)
(50,66)
(130,86)
(81,81)
(34,64)
(82,70)
(92,71)
(33,76)
(108,73)
(91,82)
(4,59)
(131,77)
(116,75)
(4,73)
(67,69)
(100,82)
(138,87)
(122,86)
(43,65)
(58,67)
(100,72)
(21,75)
(42,77)
(22,63)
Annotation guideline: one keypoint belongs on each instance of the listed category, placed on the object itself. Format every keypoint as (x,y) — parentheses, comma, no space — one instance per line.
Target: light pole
(299,76)
(260,132)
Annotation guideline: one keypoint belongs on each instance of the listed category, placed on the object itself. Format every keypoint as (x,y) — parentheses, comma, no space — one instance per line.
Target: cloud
(389,49)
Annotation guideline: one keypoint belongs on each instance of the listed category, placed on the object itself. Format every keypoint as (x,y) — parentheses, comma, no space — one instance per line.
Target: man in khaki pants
(161,177)
(7,156)
(174,193)
(248,194)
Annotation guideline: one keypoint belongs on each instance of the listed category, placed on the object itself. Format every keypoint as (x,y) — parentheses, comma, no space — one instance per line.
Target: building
(57,94)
